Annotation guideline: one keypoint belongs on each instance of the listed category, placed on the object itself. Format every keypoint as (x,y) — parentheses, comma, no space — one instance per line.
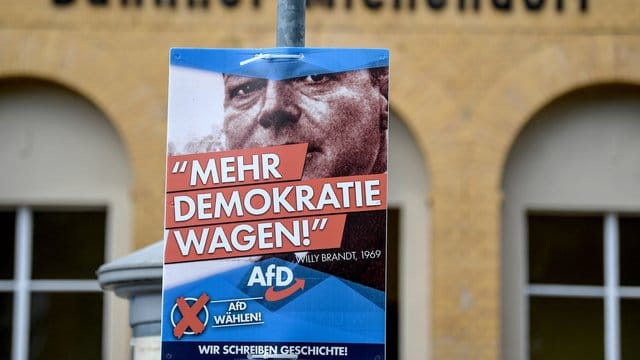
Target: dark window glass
(629,235)
(66,326)
(393,248)
(566,328)
(630,328)
(68,244)
(6,321)
(565,249)
(8,241)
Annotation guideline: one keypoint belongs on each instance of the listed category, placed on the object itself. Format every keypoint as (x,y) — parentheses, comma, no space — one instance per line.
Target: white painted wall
(408,190)
(59,149)
(580,153)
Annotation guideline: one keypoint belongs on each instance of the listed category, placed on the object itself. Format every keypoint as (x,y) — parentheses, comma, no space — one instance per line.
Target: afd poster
(276,199)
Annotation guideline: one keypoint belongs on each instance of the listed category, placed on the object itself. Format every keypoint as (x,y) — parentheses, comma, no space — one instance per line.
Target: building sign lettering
(373,5)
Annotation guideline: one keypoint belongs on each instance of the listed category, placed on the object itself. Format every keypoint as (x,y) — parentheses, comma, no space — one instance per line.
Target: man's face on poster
(342,116)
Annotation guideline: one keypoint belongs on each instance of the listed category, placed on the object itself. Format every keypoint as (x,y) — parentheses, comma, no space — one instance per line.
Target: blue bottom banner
(175,350)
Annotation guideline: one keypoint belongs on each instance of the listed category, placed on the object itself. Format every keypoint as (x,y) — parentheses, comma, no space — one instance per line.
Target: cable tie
(262,56)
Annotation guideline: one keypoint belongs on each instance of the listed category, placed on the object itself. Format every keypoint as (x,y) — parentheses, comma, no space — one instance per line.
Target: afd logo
(280,277)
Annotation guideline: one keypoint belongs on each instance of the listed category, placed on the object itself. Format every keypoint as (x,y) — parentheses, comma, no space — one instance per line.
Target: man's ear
(380,77)
(381,80)
(384,113)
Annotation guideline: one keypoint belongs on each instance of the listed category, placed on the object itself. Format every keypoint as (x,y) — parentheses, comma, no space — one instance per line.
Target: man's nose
(279,109)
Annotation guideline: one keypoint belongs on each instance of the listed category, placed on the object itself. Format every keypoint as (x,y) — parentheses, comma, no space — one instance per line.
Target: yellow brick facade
(464,82)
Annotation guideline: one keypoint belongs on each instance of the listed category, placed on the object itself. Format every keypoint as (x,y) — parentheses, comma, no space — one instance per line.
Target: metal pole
(290,28)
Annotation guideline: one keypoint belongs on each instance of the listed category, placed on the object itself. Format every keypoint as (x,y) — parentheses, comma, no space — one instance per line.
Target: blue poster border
(279,63)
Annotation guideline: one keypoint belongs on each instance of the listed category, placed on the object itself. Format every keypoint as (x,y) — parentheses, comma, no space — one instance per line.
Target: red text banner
(254,238)
(280,200)
(235,167)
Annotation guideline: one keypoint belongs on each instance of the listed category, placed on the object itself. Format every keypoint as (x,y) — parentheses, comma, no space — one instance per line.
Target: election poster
(276,204)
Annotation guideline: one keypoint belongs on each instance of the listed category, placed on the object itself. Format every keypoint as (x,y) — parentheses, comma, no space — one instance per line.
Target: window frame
(22,285)
(611,292)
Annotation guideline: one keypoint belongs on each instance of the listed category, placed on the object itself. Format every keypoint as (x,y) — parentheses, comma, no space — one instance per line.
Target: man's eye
(247,88)
(318,78)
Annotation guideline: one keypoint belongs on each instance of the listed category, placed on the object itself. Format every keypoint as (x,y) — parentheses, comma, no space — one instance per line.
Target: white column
(611,299)
(22,296)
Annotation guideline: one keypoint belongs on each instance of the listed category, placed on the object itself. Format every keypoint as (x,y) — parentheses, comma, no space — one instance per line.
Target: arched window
(64,210)
(408,247)
(571,230)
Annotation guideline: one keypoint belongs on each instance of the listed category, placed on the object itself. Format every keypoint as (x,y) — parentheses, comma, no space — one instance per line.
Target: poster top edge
(279,63)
